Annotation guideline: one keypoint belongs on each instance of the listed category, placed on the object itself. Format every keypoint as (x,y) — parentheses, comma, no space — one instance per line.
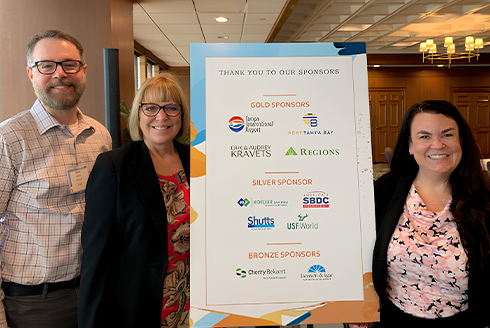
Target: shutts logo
(236,124)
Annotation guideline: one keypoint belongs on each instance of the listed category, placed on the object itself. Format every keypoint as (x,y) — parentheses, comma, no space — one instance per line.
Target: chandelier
(429,50)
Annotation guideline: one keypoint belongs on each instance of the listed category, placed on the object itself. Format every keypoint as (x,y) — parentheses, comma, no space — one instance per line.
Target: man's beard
(60,101)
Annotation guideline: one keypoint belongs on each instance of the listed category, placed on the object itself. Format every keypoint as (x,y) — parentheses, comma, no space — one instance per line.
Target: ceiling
(168,27)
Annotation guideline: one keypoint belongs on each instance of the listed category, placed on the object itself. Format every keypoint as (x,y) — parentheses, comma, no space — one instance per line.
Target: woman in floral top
(135,266)
(431,258)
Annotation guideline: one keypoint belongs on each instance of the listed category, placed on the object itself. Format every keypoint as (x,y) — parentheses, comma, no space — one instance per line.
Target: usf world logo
(241,273)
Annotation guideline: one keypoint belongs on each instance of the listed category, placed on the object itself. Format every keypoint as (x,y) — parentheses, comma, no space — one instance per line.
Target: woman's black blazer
(124,238)
(390,194)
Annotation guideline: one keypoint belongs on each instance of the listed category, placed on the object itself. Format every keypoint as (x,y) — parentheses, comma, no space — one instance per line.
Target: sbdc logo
(316,199)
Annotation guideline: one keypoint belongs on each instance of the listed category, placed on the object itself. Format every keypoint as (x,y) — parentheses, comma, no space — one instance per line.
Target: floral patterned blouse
(426,262)
(176,291)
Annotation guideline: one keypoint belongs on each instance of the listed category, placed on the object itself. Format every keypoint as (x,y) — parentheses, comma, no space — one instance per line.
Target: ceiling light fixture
(221,19)
(430,48)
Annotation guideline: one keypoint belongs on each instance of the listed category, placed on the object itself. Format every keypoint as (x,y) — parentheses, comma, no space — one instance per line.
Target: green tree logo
(291,152)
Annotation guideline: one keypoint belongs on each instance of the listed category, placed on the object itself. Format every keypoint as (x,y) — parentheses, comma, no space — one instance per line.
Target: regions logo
(291,152)
(316,272)
(316,199)
(250,151)
(252,124)
(244,202)
(264,273)
(300,225)
(312,152)
(236,124)
(265,223)
(311,120)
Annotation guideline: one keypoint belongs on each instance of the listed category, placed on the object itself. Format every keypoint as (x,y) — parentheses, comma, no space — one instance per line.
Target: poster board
(282,214)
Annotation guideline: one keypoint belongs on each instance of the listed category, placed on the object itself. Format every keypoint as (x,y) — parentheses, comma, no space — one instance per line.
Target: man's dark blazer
(124,237)
(390,194)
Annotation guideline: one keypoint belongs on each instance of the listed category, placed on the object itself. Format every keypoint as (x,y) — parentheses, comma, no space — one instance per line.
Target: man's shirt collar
(45,121)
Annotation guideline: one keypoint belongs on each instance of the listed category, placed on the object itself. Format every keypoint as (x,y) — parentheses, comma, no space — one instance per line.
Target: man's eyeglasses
(152,110)
(49,66)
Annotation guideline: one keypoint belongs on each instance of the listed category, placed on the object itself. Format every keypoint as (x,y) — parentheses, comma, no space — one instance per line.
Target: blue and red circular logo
(236,124)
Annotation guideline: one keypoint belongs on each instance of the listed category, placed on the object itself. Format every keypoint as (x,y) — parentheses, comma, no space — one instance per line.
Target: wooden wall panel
(424,84)
(90,23)
(122,39)
(97,24)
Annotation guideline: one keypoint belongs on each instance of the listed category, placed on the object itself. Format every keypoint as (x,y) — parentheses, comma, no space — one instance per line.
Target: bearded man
(46,155)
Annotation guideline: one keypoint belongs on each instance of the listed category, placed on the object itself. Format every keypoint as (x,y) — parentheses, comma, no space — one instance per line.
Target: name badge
(77,178)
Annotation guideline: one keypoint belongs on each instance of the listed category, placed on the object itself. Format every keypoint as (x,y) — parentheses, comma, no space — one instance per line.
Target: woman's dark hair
(470,185)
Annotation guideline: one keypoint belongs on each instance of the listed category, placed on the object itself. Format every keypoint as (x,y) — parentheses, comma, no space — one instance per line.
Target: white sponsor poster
(282,224)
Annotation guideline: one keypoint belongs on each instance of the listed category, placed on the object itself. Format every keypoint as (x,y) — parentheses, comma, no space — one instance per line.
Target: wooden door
(386,107)
(474,106)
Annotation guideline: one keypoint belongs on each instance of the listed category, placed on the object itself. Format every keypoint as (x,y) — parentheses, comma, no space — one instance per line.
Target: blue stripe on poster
(209,320)
(299,319)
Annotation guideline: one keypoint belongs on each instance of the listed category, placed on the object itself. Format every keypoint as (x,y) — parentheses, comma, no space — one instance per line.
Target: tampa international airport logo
(236,124)
(252,124)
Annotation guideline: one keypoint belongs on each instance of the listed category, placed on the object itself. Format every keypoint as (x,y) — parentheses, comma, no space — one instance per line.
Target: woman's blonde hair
(162,88)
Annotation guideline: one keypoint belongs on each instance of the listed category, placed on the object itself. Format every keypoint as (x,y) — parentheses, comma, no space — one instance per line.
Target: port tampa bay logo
(311,120)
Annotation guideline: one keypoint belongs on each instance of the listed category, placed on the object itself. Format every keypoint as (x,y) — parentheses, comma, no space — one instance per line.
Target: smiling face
(57,91)
(435,144)
(160,130)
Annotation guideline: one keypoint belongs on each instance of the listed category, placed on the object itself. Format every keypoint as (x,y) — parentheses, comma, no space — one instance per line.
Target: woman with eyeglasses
(135,265)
